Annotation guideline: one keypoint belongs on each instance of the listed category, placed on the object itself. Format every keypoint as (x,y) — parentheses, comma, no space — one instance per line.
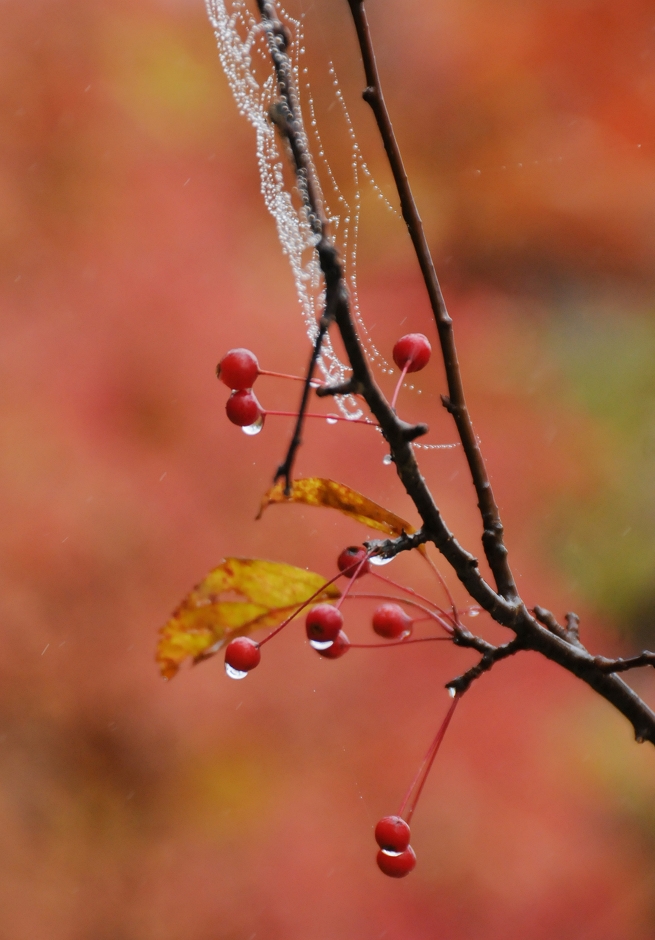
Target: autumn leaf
(315,491)
(206,619)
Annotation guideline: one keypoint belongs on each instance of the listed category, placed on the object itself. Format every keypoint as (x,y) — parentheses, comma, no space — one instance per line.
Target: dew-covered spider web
(246,60)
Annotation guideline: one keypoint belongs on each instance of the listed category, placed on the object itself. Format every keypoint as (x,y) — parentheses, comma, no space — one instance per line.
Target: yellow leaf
(315,491)
(206,620)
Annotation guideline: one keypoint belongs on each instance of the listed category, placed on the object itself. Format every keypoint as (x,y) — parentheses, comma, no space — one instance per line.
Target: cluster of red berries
(239,369)
(324,623)
(396,857)
(324,629)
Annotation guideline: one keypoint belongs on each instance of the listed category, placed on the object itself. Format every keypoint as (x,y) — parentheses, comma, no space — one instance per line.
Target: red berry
(323,623)
(412,351)
(339,646)
(241,655)
(350,558)
(242,408)
(391,621)
(392,834)
(397,866)
(238,369)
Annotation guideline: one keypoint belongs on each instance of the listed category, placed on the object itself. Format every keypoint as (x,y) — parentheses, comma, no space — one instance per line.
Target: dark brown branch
(490,657)
(286,468)
(622,665)
(389,548)
(350,387)
(492,537)
(284,115)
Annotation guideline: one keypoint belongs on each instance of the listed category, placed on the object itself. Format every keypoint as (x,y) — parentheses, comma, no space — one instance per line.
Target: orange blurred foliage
(135,252)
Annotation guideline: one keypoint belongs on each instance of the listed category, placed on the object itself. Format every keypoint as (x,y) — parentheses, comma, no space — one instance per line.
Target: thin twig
(286,467)
(622,665)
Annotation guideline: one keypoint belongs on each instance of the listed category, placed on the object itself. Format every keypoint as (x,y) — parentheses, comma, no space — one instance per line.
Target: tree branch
(557,643)
(492,537)
(489,658)
(622,665)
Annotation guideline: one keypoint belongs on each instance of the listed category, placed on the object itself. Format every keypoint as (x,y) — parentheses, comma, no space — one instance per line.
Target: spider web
(245,57)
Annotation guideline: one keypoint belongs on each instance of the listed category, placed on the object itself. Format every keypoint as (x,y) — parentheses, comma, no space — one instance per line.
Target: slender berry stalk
(356,565)
(402,600)
(315,383)
(359,565)
(328,417)
(399,384)
(408,590)
(420,639)
(418,782)
(444,585)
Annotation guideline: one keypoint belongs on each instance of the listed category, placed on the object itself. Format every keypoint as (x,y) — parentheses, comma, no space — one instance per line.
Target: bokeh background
(135,250)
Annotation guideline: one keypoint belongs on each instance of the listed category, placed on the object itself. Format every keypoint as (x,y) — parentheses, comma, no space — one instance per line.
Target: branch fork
(536,630)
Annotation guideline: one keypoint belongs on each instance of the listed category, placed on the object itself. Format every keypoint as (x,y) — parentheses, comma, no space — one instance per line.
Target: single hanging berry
(241,655)
(323,623)
(339,646)
(351,558)
(391,621)
(238,369)
(242,408)
(412,352)
(397,866)
(392,834)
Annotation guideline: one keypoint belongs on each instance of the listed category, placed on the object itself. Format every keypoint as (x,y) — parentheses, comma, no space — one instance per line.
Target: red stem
(356,564)
(315,383)
(442,582)
(399,383)
(420,639)
(353,578)
(293,414)
(407,590)
(426,766)
(404,600)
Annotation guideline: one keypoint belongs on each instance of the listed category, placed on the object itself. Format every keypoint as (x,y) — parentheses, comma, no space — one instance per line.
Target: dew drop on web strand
(245,57)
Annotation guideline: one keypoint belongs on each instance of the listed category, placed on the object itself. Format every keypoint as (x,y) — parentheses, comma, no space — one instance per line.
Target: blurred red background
(135,250)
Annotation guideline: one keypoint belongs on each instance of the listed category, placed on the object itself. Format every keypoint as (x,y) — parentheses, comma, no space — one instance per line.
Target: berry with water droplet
(242,408)
(391,621)
(350,558)
(339,646)
(238,369)
(323,623)
(412,352)
(392,834)
(397,866)
(242,654)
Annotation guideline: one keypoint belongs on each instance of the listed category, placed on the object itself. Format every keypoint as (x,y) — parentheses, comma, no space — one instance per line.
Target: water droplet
(331,419)
(391,853)
(387,459)
(251,429)
(234,673)
(452,692)
(380,560)
(321,644)
(474,612)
